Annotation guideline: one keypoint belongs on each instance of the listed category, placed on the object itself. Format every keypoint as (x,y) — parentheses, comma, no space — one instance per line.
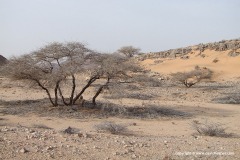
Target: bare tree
(129,51)
(52,65)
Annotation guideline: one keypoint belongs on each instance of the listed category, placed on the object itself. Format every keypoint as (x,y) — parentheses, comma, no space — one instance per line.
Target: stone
(23,150)
(134,156)
(49,148)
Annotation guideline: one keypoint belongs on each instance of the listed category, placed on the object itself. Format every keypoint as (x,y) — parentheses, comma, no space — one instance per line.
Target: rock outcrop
(231,45)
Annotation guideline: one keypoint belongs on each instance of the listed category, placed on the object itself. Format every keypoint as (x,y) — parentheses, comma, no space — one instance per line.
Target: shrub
(192,77)
(211,129)
(111,127)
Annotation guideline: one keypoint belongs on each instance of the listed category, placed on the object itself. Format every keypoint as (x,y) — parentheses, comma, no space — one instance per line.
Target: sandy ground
(24,119)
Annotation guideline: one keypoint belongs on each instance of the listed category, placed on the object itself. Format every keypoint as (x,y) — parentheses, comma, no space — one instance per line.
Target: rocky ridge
(224,45)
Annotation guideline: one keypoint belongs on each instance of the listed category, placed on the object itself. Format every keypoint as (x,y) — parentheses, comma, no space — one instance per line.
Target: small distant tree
(129,51)
(192,77)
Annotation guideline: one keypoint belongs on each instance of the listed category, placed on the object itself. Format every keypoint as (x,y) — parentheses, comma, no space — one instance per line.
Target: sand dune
(226,67)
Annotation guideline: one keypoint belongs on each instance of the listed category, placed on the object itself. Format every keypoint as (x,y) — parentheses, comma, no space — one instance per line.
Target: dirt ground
(31,129)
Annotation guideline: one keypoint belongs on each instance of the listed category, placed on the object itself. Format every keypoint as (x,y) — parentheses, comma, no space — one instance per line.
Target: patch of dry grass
(211,129)
(111,127)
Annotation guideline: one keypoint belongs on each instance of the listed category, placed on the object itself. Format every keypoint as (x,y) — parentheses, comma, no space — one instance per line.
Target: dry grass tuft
(211,129)
(111,127)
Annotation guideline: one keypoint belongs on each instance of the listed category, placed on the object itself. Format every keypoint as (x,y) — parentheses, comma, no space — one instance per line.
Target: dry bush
(142,112)
(144,80)
(192,77)
(111,127)
(211,129)
(70,130)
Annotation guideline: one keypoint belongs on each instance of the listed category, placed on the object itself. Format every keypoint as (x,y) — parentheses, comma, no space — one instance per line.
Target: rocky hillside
(3,60)
(222,58)
(225,45)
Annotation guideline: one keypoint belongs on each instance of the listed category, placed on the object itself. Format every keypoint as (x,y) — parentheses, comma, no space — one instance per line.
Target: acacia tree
(129,51)
(53,65)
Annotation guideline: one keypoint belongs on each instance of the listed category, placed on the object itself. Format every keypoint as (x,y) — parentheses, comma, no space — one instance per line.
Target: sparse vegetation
(142,112)
(211,129)
(111,127)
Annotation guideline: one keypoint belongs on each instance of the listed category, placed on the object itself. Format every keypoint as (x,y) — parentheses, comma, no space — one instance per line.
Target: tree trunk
(73,89)
(46,90)
(91,80)
(56,92)
(99,91)
(63,99)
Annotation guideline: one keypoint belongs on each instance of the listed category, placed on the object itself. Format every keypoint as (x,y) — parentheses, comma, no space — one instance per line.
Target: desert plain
(30,128)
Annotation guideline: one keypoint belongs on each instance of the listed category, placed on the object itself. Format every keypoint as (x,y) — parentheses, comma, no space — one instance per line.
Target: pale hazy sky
(106,25)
